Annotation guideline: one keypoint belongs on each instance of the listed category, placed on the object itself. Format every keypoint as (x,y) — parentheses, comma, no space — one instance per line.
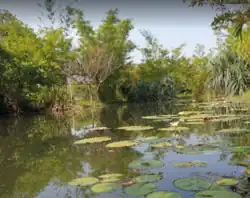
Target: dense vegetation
(39,68)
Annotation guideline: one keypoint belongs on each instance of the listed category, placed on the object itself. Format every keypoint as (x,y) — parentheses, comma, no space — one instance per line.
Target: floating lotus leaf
(217,187)
(217,194)
(240,149)
(136,128)
(199,163)
(224,119)
(162,120)
(148,139)
(111,180)
(174,129)
(179,146)
(161,145)
(183,165)
(119,144)
(140,189)
(164,194)
(159,140)
(151,117)
(233,130)
(145,164)
(188,151)
(191,184)
(187,113)
(247,171)
(148,178)
(84,181)
(98,129)
(92,140)
(111,175)
(168,116)
(104,187)
(227,182)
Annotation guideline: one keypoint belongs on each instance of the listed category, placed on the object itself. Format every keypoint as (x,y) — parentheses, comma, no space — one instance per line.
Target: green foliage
(228,74)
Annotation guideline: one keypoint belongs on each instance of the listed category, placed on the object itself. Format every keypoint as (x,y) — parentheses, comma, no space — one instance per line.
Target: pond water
(210,142)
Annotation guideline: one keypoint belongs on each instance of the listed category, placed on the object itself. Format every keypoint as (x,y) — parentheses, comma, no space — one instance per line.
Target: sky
(171,21)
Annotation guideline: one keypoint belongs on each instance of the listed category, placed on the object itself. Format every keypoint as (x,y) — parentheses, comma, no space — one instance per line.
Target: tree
(229,14)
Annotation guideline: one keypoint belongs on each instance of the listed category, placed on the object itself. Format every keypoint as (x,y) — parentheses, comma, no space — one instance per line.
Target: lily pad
(119,144)
(148,139)
(217,194)
(140,189)
(187,113)
(183,165)
(111,180)
(240,149)
(111,175)
(227,182)
(162,145)
(148,178)
(98,129)
(92,140)
(84,181)
(145,164)
(198,163)
(174,129)
(104,187)
(164,194)
(191,184)
(136,128)
(151,117)
(217,187)
(247,172)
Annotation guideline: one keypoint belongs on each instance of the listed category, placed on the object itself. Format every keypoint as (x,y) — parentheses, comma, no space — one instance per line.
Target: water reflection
(38,157)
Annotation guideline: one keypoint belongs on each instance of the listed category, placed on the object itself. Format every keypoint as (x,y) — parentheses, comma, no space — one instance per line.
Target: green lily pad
(174,129)
(188,151)
(92,140)
(111,175)
(148,178)
(136,128)
(191,184)
(233,130)
(217,187)
(145,164)
(161,145)
(183,165)
(140,189)
(227,182)
(84,181)
(104,187)
(187,113)
(158,140)
(216,194)
(98,129)
(198,163)
(148,139)
(151,117)
(111,180)
(164,194)
(119,144)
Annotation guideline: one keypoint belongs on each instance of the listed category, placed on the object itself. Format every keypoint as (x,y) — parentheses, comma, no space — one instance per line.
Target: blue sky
(171,23)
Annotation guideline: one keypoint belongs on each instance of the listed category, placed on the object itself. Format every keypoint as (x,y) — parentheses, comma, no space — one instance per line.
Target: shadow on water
(38,157)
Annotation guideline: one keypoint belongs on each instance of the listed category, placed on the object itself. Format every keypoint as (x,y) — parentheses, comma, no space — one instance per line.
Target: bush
(152,91)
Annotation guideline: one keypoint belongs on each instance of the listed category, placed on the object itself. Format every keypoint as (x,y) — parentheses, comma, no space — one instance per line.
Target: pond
(175,150)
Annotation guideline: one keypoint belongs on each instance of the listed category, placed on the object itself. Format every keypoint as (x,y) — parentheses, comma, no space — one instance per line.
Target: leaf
(183,165)
(111,180)
(140,189)
(148,139)
(164,194)
(111,175)
(174,129)
(216,194)
(191,184)
(105,187)
(84,181)
(233,130)
(92,140)
(119,144)
(240,149)
(136,128)
(161,145)
(199,163)
(148,178)
(227,182)
(145,164)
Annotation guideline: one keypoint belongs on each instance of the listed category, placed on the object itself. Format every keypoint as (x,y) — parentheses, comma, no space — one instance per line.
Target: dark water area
(38,157)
